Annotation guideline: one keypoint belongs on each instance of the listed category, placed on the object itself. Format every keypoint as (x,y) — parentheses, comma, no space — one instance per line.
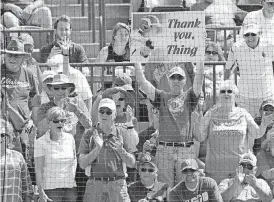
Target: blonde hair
(55,113)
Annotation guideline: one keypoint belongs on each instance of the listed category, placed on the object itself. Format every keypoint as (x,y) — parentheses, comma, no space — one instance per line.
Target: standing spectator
(175,141)
(253,56)
(105,151)
(227,129)
(25,12)
(245,186)
(15,179)
(55,160)
(148,188)
(19,87)
(194,187)
(263,17)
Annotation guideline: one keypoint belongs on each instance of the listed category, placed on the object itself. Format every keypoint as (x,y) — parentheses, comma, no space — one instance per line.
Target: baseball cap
(248,158)
(189,164)
(106,102)
(176,70)
(251,28)
(146,158)
(267,102)
(16,47)
(47,74)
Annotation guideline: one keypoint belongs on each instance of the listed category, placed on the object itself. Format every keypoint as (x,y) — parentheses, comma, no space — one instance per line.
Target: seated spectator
(55,160)
(245,186)
(63,29)
(25,12)
(264,18)
(144,38)
(175,140)
(227,129)
(194,187)
(104,151)
(266,161)
(213,52)
(148,188)
(15,179)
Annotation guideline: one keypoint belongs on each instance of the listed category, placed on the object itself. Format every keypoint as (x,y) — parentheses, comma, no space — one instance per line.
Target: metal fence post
(102,23)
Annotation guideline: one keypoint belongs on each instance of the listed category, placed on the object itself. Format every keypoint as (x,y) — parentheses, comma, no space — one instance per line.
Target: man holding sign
(175,140)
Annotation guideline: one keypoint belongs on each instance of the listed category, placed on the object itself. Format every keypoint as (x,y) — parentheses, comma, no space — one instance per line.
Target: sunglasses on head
(211,52)
(177,76)
(247,165)
(108,112)
(249,34)
(121,99)
(60,87)
(185,171)
(59,121)
(150,170)
(226,91)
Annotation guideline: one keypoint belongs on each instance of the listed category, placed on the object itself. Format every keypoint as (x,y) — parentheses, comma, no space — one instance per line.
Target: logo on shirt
(8,83)
(177,105)
(200,198)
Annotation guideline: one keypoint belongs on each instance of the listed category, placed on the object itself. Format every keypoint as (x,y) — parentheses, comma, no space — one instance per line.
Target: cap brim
(256,31)
(190,167)
(270,104)
(106,106)
(247,161)
(14,52)
(151,163)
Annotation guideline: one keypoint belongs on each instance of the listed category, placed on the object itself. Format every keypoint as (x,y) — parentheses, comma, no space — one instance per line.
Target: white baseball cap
(106,102)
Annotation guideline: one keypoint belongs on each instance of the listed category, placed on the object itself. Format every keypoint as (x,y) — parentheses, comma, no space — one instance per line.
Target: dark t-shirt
(77,53)
(112,56)
(207,190)
(20,86)
(138,191)
(175,115)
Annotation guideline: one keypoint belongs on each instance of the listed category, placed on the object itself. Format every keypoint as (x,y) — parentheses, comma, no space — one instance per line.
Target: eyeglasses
(108,112)
(187,171)
(247,165)
(177,76)
(59,121)
(270,3)
(62,88)
(4,135)
(249,34)
(226,91)
(150,170)
(211,52)
(121,99)
(268,108)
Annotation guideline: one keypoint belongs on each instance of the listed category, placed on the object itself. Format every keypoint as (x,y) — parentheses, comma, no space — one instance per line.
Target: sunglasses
(13,55)
(62,88)
(121,99)
(226,91)
(249,34)
(108,112)
(211,52)
(270,3)
(186,171)
(177,76)
(150,170)
(59,121)
(4,135)
(268,109)
(247,165)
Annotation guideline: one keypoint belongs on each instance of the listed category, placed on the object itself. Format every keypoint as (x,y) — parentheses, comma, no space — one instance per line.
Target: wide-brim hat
(61,79)
(16,47)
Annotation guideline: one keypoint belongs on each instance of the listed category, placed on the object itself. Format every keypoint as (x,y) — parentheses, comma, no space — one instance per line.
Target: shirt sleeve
(39,149)
(25,177)
(85,142)
(130,139)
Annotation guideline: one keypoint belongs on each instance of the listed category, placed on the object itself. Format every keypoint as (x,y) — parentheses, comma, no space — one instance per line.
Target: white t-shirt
(255,65)
(267,24)
(60,161)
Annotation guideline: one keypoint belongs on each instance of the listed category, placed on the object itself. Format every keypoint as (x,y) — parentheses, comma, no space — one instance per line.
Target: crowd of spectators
(210,131)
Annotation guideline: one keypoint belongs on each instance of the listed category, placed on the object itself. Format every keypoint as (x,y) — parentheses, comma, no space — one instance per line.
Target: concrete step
(66,2)
(75,10)
(81,23)
(86,36)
